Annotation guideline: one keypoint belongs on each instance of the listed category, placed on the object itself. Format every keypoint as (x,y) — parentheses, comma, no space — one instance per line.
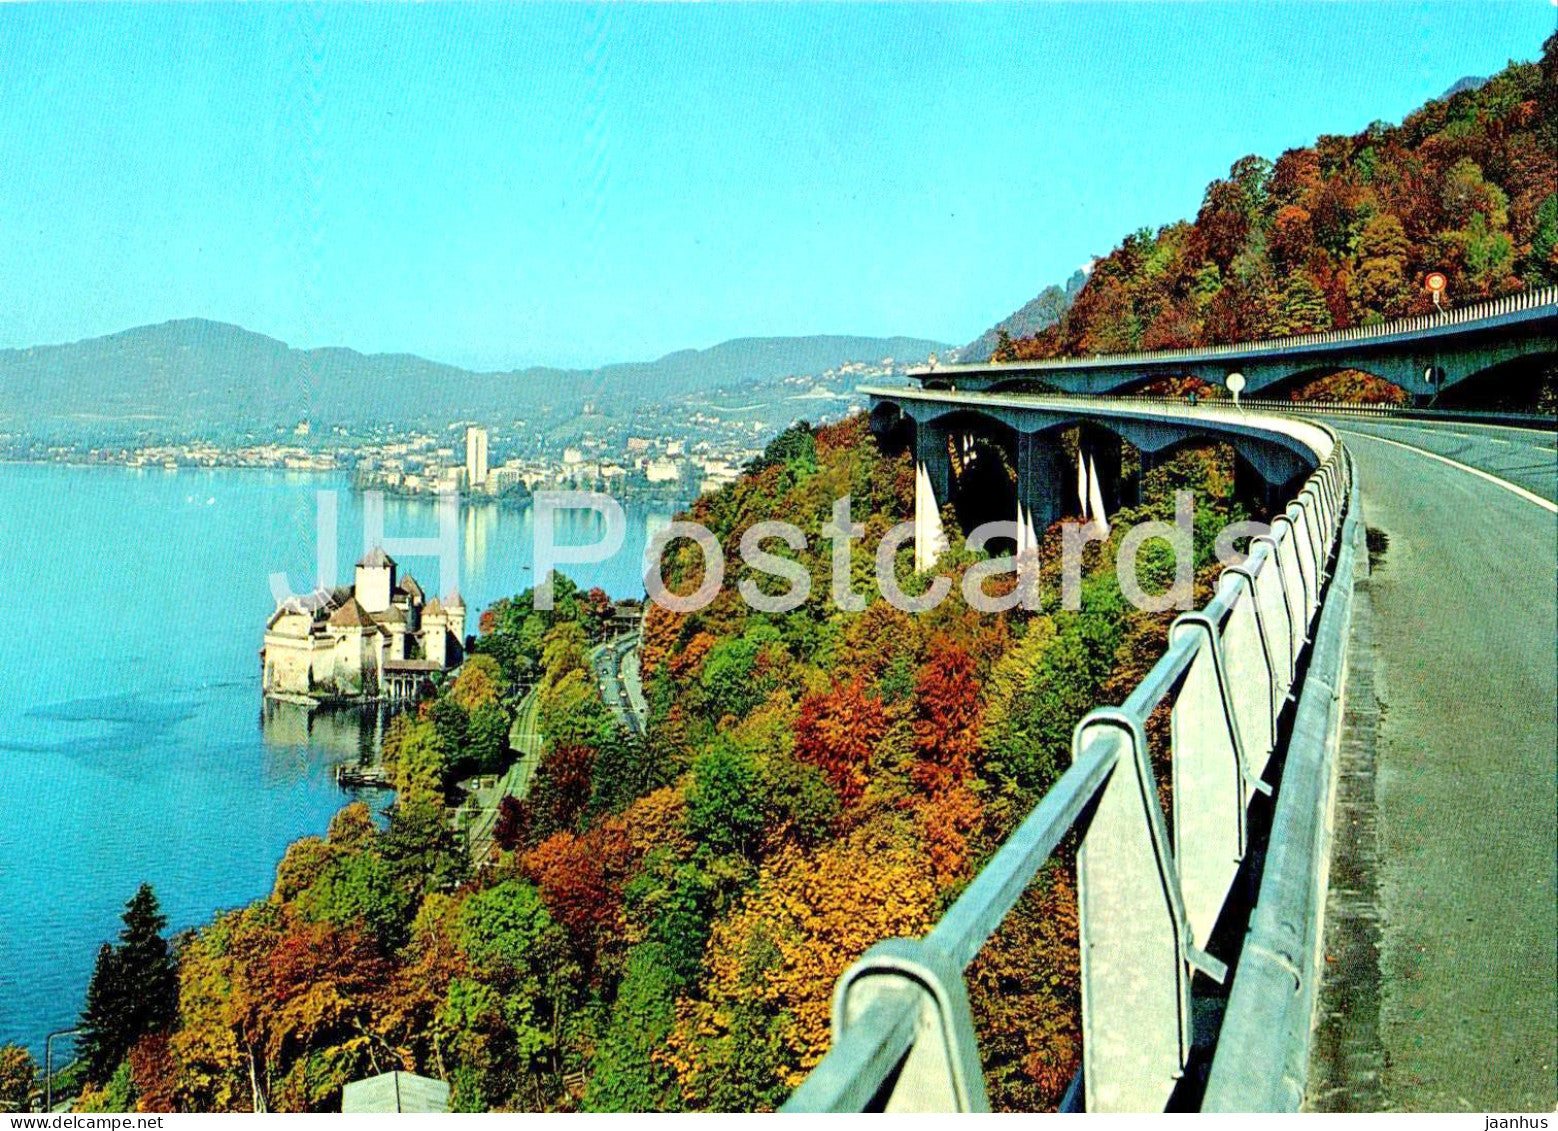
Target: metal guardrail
(1252,404)
(1546,421)
(903,1035)
(1262,1060)
(1502,418)
(1382,332)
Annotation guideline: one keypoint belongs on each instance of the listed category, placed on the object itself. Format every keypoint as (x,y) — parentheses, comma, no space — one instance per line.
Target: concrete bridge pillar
(1042,476)
(1098,475)
(1106,466)
(1263,474)
(1250,485)
(932,490)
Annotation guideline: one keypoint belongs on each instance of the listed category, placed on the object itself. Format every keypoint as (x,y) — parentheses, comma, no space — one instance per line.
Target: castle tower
(435,632)
(455,609)
(375,580)
(454,606)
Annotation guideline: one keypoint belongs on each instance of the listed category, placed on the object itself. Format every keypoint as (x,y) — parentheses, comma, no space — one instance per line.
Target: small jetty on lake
(358,776)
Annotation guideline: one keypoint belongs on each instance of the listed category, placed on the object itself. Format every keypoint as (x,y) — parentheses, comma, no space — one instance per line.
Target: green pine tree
(134,988)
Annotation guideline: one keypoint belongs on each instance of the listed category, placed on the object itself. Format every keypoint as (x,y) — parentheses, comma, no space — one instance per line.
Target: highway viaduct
(1425,355)
(1402,947)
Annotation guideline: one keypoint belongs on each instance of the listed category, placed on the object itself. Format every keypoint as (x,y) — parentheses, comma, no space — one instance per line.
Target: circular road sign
(1435,282)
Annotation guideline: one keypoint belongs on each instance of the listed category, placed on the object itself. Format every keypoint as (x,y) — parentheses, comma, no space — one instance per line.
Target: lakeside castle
(378,638)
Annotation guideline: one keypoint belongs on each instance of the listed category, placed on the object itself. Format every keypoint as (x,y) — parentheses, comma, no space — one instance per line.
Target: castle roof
(434,608)
(317,606)
(351,615)
(376,558)
(453,600)
(413,666)
(408,585)
(291,605)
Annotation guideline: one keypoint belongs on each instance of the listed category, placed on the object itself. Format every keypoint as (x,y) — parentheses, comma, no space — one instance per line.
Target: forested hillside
(1343,232)
(662,919)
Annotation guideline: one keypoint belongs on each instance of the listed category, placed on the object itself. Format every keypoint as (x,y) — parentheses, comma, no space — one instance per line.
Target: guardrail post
(1286,568)
(1325,477)
(1295,540)
(1210,773)
(1135,940)
(1317,530)
(1271,675)
(941,1072)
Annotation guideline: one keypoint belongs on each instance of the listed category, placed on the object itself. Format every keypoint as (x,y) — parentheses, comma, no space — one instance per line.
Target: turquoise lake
(134,744)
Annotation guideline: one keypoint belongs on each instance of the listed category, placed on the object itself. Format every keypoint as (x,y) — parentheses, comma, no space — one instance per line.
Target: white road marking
(1419,429)
(1529,496)
(1422,430)
(1404,428)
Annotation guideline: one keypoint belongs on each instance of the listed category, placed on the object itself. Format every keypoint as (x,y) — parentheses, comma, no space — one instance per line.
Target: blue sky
(575,184)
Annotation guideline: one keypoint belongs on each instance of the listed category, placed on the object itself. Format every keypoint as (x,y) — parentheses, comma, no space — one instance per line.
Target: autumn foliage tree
(838,731)
(18,1078)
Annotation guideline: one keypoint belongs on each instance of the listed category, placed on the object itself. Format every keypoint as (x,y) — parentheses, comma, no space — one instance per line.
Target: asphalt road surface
(1442,930)
(616,670)
(1522,456)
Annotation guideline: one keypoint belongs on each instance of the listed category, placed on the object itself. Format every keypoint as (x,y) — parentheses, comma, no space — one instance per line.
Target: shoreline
(672,504)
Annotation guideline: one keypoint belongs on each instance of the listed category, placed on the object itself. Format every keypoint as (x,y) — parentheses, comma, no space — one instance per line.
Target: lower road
(525,741)
(1442,928)
(616,671)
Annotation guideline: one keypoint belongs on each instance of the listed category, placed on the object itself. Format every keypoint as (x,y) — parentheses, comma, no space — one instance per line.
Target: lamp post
(48,1066)
(1235,383)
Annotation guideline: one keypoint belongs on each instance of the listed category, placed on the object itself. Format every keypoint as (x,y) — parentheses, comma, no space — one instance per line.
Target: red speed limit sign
(1435,282)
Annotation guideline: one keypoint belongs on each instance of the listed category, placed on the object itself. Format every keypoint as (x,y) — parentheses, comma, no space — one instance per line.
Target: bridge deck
(1423,355)
(1446,840)
(1500,315)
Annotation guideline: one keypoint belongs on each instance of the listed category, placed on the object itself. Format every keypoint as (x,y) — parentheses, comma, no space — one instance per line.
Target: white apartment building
(476,457)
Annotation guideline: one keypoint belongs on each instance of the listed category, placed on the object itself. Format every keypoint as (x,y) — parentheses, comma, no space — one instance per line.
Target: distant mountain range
(1038,313)
(1470,82)
(195,373)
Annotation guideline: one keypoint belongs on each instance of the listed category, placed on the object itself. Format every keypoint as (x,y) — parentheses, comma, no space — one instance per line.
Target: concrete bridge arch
(1516,382)
(1425,355)
(1051,476)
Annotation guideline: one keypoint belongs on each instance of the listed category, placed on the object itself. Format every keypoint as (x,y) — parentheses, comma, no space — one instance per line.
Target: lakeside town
(673,452)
